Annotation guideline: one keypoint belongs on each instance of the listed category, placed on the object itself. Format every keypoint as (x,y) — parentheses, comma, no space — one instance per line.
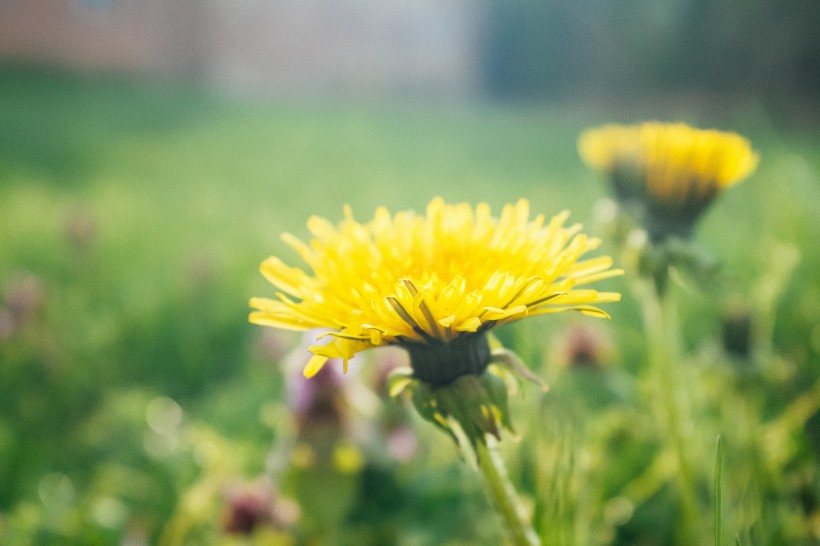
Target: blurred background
(453,48)
(152,151)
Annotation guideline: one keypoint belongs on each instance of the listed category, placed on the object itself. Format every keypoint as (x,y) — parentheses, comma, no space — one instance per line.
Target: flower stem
(660,321)
(503,496)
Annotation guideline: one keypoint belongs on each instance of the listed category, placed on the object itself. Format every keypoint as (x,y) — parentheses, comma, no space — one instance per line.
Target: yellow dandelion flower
(673,170)
(437,281)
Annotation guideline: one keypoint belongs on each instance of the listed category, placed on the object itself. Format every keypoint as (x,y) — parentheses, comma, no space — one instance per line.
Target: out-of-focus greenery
(555,47)
(138,405)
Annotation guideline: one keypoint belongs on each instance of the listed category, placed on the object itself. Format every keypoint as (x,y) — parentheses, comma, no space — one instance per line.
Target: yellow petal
(470,325)
(313,366)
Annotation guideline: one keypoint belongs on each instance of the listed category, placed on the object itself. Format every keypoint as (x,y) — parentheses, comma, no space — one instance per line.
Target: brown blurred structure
(285,46)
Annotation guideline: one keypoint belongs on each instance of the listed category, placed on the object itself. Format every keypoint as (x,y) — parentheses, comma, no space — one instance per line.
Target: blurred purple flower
(250,506)
(22,300)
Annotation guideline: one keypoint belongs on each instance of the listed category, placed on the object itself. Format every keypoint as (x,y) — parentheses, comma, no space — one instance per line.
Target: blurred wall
(304,46)
(346,45)
(101,34)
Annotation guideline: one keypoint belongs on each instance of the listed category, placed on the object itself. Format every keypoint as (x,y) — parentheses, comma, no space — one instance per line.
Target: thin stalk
(660,321)
(718,514)
(503,496)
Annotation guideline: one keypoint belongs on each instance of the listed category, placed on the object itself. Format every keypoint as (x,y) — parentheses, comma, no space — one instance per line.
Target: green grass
(140,214)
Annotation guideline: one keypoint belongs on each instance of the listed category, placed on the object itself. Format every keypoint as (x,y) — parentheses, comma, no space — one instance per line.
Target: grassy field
(135,395)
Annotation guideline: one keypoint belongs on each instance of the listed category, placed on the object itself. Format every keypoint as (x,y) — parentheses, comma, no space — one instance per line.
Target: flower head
(431,283)
(673,171)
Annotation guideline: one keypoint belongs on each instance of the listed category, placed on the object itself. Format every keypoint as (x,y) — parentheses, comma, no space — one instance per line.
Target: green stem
(503,496)
(661,331)
(718,503)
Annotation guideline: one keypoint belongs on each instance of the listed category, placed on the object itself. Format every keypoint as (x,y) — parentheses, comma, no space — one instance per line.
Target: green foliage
(135,396)
(555,48)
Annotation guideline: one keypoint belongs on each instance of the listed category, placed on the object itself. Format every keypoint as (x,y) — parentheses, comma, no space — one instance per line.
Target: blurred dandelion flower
(672,171)
(432,284)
